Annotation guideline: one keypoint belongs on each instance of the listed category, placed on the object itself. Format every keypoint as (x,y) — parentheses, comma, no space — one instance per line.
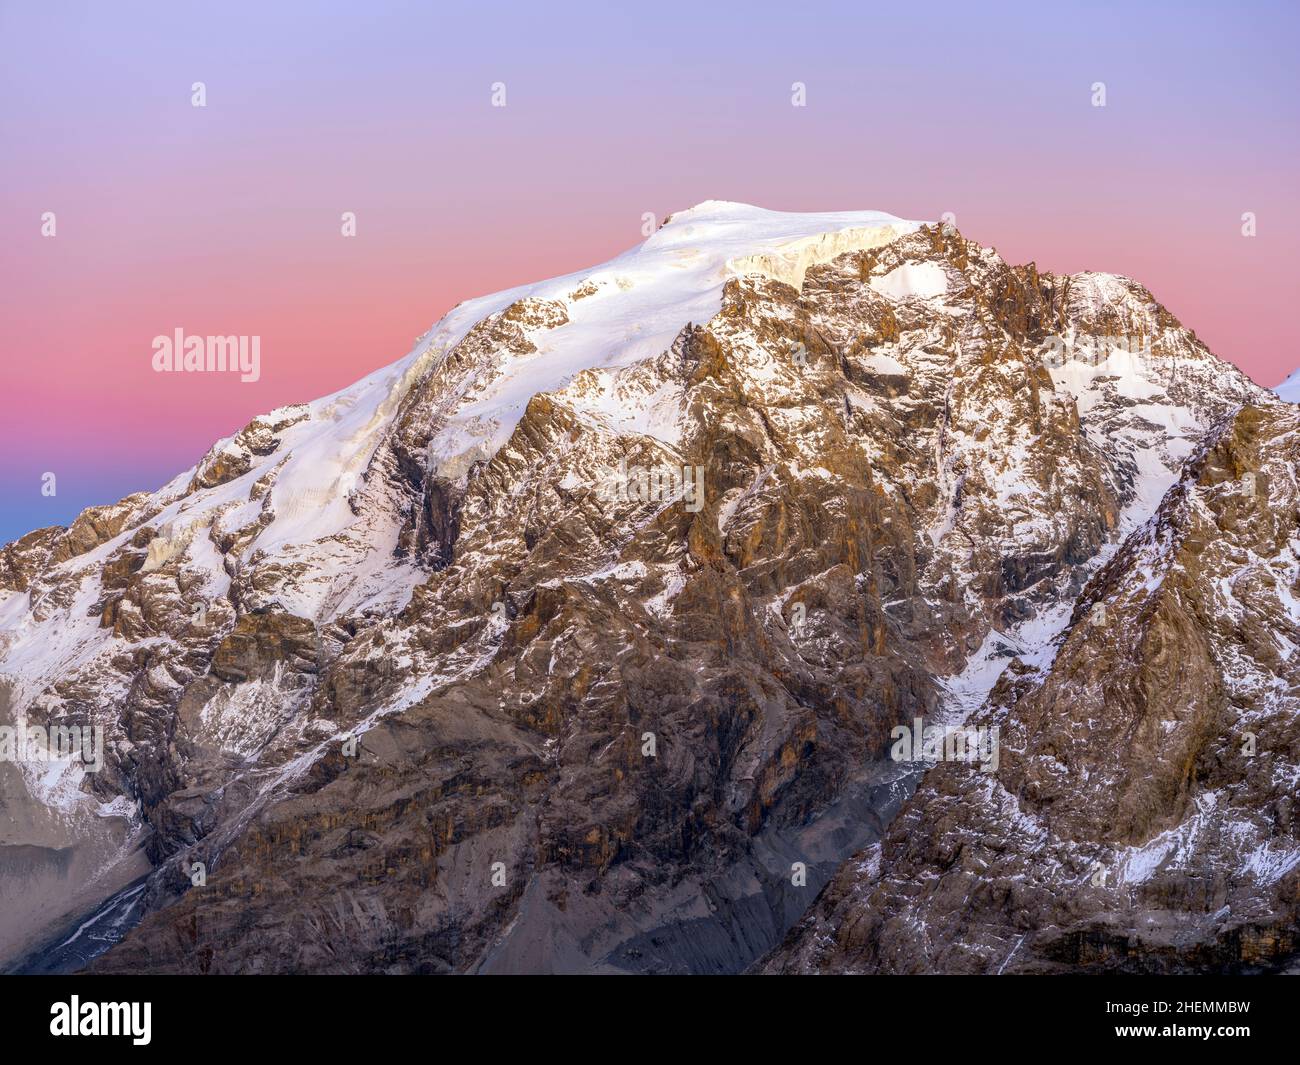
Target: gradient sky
(226,219)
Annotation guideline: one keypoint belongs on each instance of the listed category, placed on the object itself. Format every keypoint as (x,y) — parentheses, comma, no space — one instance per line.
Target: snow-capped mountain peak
(858,465)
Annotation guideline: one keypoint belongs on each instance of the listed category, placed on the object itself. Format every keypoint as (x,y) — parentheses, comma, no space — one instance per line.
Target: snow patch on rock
(924,280)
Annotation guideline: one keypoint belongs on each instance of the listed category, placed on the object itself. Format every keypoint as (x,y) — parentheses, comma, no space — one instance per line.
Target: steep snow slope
(1289,389)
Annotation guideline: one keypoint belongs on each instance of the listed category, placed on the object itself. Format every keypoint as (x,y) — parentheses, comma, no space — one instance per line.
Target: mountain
(576,639)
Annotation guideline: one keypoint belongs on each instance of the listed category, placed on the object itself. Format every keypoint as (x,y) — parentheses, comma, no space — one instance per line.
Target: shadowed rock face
(527,707)
(48,868)
(1143,816)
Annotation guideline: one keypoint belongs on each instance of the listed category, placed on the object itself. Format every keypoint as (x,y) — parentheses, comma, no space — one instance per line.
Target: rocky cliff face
(1143,814)
(575,639)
